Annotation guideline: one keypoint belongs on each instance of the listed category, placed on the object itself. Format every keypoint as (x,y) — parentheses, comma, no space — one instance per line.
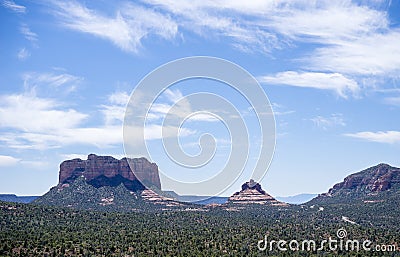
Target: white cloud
(182,108)
(11,5)
(114,112)
(278,109)
(329,81)
(220,19)
(327,22)
(168,99)
(39,165)
(6,160)
(23,54)
(63,82)
(28,34)
(101,137)
(173,96)
(389,137)
(326,122)
(51,79)
(366,55)
(126,30)
(27,112)
(392,100)
(30,122)
(345,37)
(74,156)
(155,131)
(269,24)
(119,98)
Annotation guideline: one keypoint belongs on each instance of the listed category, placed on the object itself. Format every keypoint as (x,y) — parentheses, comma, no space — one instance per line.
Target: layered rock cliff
(101,171)
(253,193)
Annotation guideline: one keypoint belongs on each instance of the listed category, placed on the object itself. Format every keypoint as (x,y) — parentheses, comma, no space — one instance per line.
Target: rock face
(101,171)
(253,193)
(372,180)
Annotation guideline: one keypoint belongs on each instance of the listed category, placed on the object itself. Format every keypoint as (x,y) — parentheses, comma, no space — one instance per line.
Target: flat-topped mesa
(107,171)
(253,193)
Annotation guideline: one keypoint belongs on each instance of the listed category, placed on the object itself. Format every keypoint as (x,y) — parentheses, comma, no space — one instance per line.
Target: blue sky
(330,69)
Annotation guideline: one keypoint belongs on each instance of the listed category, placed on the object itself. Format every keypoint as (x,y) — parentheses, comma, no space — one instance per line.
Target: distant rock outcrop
(253,193)
(376,179)
(101,171)
(150,196)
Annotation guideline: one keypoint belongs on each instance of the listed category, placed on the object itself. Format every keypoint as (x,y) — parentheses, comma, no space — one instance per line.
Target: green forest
(38,230)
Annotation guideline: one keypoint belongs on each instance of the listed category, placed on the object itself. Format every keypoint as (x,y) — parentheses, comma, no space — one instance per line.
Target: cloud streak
(6,160)
(23,54)
(388,137)
(30,113)
(63,82)
(327,81)
(393,100)
(343,35)
(331,121)
(28,34)
(31,122)
(11,5)
(126,29)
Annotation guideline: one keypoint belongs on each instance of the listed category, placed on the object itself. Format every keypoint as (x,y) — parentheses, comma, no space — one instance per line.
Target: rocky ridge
(374,180)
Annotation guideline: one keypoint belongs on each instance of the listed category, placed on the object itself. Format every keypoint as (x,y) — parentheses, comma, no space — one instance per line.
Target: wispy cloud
(74,156)
(392,100)
(126,29)
(28,34)
(365,55)
(84,156)
(212,19)
(342,35)
(279,109)
(328,81)
(57,81)
(344,38)
(23,54)
(11,5)
(326,22)
(389,137)
(182,108)
(6,160)
(31,122)
(327,122)
(114,111)
(29,113)
(100,137)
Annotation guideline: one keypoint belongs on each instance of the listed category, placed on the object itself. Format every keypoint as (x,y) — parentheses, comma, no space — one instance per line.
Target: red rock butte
(252,193)
(107,171)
